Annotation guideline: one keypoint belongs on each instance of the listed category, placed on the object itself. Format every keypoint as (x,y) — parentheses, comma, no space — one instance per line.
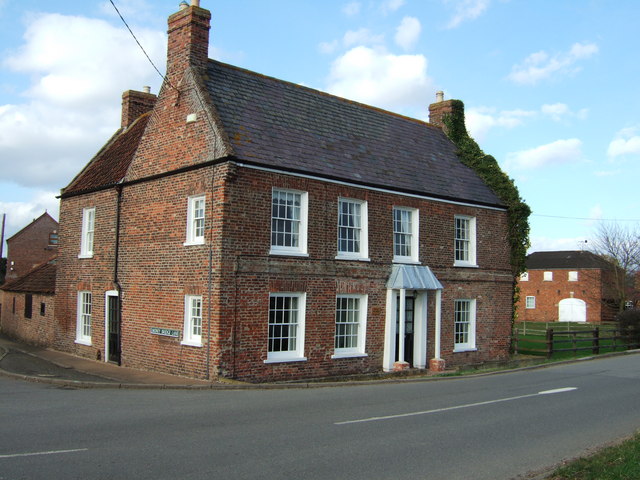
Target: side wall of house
(37,330)
(158,269)
(94,274)
(549,293)
(254,274)
(30,247)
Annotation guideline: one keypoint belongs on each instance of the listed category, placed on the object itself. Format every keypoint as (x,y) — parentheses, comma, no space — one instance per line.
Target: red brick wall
(84,274)
(157,270)
(246,245)
(549,293)
(30,247)
(37,330)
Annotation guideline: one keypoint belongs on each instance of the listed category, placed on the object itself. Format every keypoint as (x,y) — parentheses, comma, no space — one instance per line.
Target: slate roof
(110,164)
(565,259)
(282,125)
(41,279)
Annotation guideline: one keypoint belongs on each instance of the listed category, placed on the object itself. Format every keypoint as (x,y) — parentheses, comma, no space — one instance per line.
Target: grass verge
(619,462)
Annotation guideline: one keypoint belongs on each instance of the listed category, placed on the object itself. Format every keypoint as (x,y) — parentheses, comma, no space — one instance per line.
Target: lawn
(620,462)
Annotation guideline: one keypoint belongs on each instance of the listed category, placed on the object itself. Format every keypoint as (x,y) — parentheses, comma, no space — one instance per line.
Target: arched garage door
(572,310)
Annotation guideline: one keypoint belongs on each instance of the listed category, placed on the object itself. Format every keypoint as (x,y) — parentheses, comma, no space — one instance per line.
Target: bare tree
(620,246)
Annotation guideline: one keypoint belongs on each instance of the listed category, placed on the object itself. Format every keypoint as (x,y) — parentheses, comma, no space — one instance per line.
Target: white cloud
(72,106)
(408,32)
(555,153)
(20,214)
(480,120)
(362,36)
(540,65)
(328,47)
(548,244)
(627,142)
(561,111)
(351,9)
(389,6)
(376,77)
(466,10)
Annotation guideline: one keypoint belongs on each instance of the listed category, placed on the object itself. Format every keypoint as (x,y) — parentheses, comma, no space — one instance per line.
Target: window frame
(87,238)
(470,344)
(84,317)
(192,230)
(28,305)
(530,302)
(362,229)
(413,256)
(188,336)
(360,349)
(547,276)
(524,277)
(572,276)
(301,248)
(293,355)
(470,242)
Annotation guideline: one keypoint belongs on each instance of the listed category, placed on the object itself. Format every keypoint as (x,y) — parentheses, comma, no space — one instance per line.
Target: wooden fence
(596,340)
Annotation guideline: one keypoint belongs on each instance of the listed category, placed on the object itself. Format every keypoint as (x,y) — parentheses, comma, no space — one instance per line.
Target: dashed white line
(457,407)
(50,452)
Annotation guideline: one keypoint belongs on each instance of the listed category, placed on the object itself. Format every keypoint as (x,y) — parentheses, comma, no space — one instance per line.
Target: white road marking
(457,407)
(50,452)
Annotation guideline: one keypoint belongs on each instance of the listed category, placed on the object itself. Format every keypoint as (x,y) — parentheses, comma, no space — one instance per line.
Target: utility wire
(587,218)
(141,47)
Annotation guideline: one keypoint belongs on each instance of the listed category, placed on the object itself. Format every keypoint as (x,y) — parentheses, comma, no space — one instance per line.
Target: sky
(550,87)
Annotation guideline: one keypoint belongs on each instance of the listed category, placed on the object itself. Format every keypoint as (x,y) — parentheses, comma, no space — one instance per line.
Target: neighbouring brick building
(34,244)
(247,227)
(567,286)
(28,305)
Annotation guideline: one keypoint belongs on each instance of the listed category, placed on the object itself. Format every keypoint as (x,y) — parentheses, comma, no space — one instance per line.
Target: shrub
(629,325)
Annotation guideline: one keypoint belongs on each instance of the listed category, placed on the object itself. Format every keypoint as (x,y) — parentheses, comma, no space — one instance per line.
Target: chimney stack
(136,103)
(188,43)
(443,108)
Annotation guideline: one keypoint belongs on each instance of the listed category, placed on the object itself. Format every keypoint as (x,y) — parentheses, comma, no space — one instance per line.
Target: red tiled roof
(110,164)
(41,279)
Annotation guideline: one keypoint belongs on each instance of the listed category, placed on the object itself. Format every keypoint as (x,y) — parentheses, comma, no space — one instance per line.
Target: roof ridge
(326,94)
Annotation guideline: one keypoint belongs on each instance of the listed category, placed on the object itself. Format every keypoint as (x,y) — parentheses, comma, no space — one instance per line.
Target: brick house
(34,244)
(567,286)
(28,305)
(247,227)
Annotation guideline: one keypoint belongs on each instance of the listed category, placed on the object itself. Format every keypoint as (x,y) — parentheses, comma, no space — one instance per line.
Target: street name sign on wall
(165,332)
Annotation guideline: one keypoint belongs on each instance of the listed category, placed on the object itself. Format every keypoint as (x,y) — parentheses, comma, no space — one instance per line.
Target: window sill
(83,342)
(465,264)
(285,253)
(189,244)
(464,349)
(191,343)
(285,360)
(353,258)
(338,355)
(406,261)
(85,255)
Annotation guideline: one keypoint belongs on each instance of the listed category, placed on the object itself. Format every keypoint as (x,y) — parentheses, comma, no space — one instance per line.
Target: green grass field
(620,462)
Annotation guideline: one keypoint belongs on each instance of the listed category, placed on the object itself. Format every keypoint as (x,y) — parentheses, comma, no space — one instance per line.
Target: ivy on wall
(487,167)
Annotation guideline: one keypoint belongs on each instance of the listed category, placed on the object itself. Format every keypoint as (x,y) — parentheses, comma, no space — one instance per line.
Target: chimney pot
(183,5)
(195,3)
(146,89)
(439,96)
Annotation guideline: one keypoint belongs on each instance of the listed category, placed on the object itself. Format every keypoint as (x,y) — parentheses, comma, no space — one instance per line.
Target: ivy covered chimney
(188,43)
(443,108)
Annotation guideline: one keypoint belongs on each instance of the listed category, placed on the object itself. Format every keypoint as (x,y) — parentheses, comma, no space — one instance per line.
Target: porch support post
(388,357)
(436,364)
(402,363)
